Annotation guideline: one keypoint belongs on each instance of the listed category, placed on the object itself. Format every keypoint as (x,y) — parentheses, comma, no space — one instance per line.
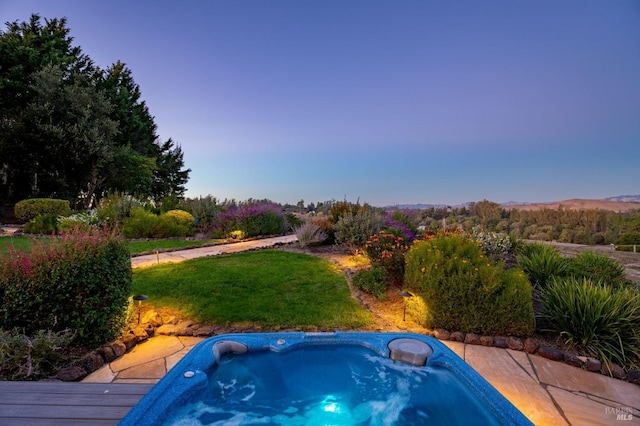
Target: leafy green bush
(463,290)
(144,224)
(80,282)
(114,208)
(542,263)
(46,224)
(34,357)
(596,318)
(353,230)
(205,211)
(387,250)
(27,210)
(371,281)
(309,234)
(598,267)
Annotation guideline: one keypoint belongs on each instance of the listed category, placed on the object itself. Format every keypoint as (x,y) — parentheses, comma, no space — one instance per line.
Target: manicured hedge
(26,210)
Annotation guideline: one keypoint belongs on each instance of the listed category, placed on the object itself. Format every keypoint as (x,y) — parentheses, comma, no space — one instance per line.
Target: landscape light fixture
(404,295)
(157,251)
(140,298)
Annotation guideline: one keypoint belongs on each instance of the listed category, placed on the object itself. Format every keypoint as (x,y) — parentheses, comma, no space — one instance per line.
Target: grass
(268,288)
(23,242)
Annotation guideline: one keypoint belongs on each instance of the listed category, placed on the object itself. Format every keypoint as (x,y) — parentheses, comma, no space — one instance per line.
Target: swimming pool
(341,378)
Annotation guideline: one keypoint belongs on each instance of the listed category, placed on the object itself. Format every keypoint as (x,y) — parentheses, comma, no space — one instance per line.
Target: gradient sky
(391,102)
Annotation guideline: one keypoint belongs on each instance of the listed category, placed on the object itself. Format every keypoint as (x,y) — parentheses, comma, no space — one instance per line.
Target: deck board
(44,403)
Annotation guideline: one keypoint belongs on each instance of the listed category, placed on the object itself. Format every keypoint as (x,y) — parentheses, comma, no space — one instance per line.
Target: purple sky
(389,102)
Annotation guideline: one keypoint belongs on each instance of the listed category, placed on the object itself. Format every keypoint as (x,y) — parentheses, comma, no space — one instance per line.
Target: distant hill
(582,204)
(625,198)
(620,203)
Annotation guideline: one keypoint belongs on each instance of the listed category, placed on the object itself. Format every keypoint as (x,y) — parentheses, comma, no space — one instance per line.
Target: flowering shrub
(400,223)
(252,218)
(387,250)
(80,282)
(114,208)
(82,220)
(492,244)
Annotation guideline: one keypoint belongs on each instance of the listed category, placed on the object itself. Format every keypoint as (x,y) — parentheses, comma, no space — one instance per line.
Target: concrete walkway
(547,392)
(182,255)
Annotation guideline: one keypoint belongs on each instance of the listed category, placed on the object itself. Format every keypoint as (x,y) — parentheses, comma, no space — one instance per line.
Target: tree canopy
(71,130)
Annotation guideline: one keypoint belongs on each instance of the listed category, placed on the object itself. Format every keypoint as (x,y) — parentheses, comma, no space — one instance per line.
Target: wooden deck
(56,403)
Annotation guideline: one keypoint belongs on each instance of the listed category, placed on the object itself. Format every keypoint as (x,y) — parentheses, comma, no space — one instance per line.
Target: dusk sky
(389,102)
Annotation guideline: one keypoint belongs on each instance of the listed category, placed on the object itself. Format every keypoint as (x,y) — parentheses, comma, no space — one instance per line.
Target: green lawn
(23,242)
(20,242)
(270,288)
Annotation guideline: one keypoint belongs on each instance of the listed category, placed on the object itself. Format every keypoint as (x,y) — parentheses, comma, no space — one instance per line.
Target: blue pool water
(321,379)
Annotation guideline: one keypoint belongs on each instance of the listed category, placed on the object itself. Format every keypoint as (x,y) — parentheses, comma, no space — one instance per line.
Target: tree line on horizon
(71,130)
(578,226)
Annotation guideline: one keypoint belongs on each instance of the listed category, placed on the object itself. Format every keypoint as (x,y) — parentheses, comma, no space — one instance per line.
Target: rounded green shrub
(27,210)
(596,318)
(463,290)
(181,216)
(597,267)
(145,224)
(46,224)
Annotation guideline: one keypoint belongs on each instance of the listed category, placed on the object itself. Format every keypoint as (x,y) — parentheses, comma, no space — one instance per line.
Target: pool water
(341,378)
(327,385)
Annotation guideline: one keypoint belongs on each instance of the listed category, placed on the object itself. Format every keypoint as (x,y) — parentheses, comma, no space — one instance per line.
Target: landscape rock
(572,359)
(550,353)
(182,328)
(592,365)
(129,340)
(500,342)
(71,374)
(530,346)
(633,376)
(457,336)
(486,340)
(91,362)
(515,343)
(441,334)
(140,333)
(118,348)
(613,370)
(204,331)
(152,318)
(107,353)
(472,339)
(170,320)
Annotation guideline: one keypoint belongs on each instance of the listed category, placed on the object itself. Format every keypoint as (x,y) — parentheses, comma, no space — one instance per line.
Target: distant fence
(625,247)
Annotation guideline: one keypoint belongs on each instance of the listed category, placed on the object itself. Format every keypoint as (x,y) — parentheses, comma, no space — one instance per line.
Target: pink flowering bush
(80,282)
